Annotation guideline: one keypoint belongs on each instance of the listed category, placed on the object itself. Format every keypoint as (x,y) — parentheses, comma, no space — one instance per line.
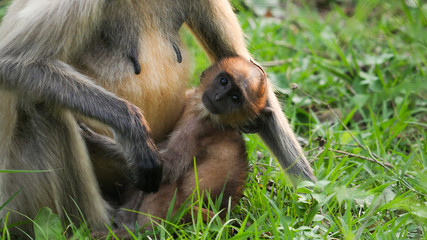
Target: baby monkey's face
(234,91)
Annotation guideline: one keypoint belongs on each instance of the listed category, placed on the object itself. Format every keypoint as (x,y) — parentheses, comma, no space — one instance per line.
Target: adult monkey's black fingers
(149,174)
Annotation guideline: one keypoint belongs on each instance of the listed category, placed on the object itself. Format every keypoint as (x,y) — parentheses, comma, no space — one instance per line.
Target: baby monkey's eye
(223,81)
(235,98)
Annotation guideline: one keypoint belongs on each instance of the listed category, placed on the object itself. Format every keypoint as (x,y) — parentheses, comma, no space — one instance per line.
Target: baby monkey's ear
(259,67)
(255,125)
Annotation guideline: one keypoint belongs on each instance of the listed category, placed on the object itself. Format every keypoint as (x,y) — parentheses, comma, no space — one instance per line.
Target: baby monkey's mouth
(209,105)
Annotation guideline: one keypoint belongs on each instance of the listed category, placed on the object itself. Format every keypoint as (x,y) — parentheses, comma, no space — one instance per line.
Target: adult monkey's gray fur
(66,59)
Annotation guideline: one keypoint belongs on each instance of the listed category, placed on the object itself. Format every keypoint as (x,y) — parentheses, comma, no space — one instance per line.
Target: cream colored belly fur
(159,90)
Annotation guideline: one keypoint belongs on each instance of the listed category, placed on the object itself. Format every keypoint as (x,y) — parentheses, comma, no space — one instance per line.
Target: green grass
(360,71)
(3,4)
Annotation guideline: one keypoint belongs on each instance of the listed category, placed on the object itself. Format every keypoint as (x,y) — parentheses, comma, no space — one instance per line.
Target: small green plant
(47,225)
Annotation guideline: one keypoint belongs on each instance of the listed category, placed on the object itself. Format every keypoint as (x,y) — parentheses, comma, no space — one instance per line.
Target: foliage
(3,4)
(358,101)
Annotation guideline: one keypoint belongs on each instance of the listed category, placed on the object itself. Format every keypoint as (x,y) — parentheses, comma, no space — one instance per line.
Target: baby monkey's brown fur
(231,98)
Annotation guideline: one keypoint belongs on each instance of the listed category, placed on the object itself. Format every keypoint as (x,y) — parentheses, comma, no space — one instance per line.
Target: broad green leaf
(47,225)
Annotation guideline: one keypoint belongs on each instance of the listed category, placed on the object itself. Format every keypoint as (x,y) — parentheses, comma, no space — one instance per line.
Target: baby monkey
(231,98)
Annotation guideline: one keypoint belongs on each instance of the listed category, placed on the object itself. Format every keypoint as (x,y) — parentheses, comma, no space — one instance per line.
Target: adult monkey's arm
(215,25)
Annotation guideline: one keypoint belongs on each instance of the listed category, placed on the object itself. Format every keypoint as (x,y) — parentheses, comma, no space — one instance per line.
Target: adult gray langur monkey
(104,62)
